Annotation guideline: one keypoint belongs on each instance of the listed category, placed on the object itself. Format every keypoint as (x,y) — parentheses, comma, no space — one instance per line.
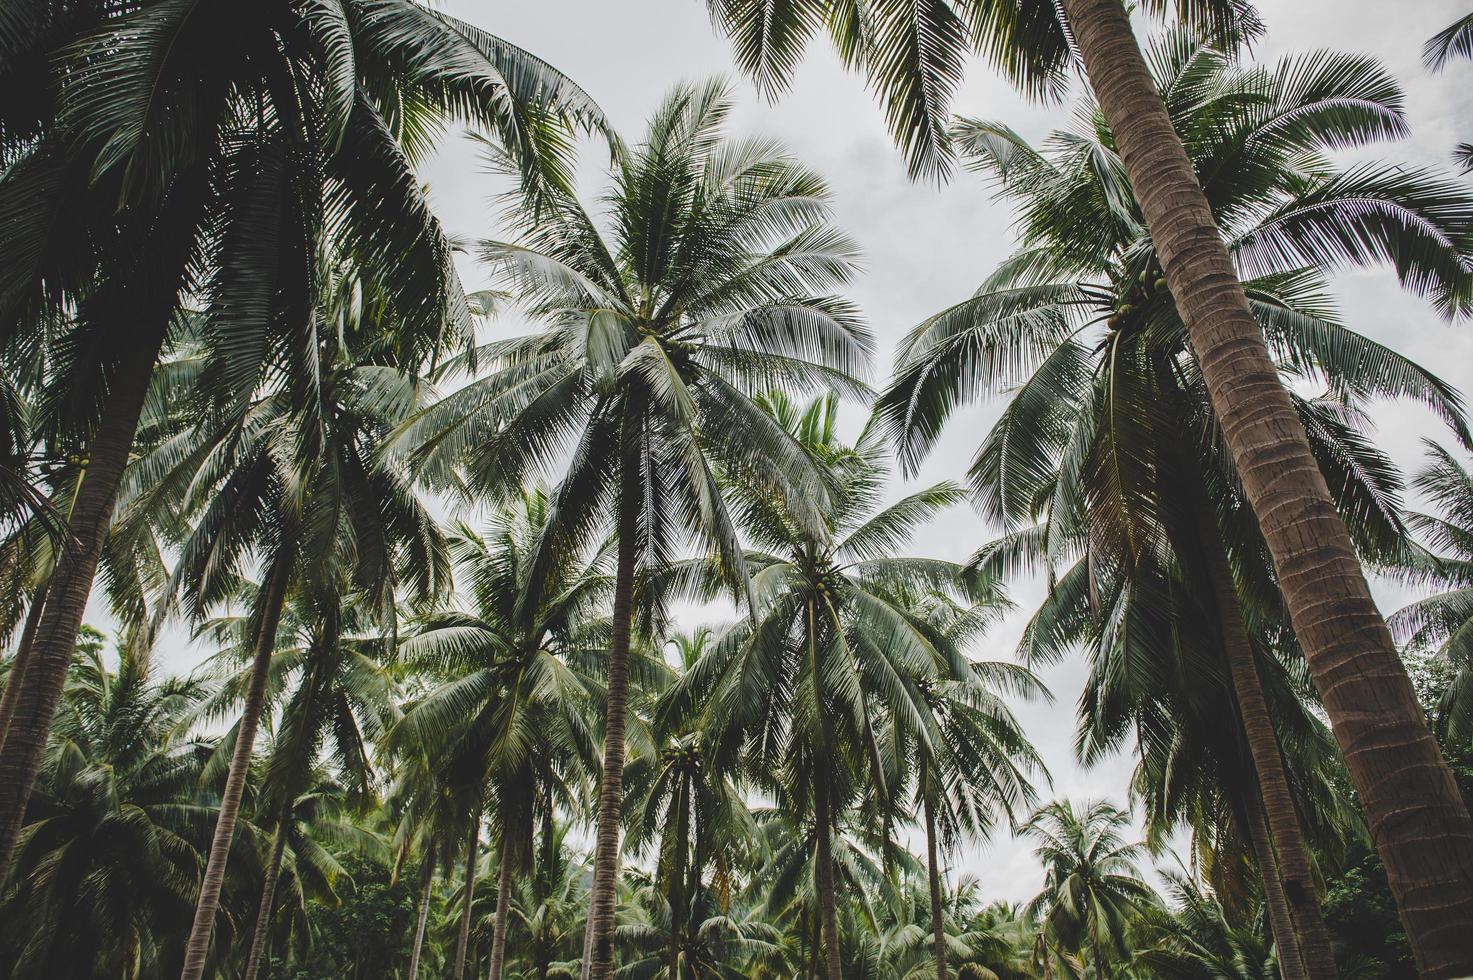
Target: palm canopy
(915,55)
(708,281)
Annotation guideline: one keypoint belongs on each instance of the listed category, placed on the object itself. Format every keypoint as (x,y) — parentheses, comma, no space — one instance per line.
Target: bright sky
(926,247)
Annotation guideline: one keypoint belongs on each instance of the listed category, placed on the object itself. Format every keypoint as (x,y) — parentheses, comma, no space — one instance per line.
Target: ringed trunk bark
(198,947)
(463,942)
(1421,827)
(20,661)
(828,907)
(938,927)
(268,898)
(503,906)
(426,881)
(50,653)
(599,958)
(1290,851)
(1286,942)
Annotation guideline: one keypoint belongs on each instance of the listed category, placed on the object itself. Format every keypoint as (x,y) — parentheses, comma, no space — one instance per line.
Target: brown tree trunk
(828,907)
(470,893)
(1290,850)
(198,947)
(503,905)
(599,961)
(938,926)
(426,881)
(1421,827)
(1286,942)
(20,661)
(268,897)
(71,584)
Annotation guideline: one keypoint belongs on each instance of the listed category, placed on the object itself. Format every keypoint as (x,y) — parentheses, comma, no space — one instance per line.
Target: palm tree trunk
(426,881)
(50,653)
(827,903)
(938,927)
(20,661)
(503,906)
(198,947)
(1418,819)
(1292,854)
(1286,942)
(598,963)
(470,892)
(268,896)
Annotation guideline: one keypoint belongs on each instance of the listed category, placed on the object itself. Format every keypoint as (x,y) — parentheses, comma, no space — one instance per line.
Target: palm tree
(513,703)
(1115,441)
(105,870)
(712,287)
(1090,890)
(175,138)
(291,481)
(914,57)
(1453,41)
(1195,938)
(713,942)
(546,908)
(796,691)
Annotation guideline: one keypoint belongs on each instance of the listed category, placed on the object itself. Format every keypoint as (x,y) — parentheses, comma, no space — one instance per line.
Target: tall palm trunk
(938,926)
(503,908)
(20,661)
(50,654)
(1420,824)
(1281,923)
(198,947)
(463,942)
(426,881)
(1290,850)
(598,962)
(268,896)
(828,907)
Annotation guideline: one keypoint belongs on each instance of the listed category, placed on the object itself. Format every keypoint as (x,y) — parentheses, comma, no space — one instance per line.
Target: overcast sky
(926,247)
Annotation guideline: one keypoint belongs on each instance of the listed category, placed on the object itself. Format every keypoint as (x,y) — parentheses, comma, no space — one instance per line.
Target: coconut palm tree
(1087,263)
(1194,938)
(191,148)
(710,941)
(1091,890)
(1453,41)
(914,57)
(711,283)
(796,692)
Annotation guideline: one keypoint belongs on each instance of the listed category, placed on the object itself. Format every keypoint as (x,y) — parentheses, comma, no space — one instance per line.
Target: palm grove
(457,719)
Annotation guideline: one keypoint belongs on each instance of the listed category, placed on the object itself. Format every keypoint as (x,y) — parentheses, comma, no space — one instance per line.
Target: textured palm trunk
(598,963)
(463,943)
(828,906)
(50,655)
(503,907)
(1420,824)
(20,661)
(938,926)
(426,881)
(1286,942)
(268,898)
(1287,839)
(198,946)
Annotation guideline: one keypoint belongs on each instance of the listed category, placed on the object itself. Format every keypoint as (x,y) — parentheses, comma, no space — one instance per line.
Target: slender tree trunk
(1286,941)
(426,881)
(1417,817)
(828,907)
(503,905)
(938,926)
(470,891)
(50,653)
(598,963)
(198,947)
(20,661)
(1292,854)
(268,896)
